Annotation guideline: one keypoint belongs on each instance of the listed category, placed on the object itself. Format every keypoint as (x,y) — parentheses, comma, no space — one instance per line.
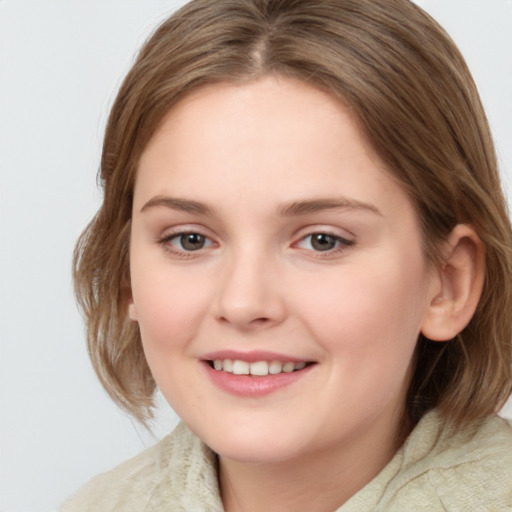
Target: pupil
(323,242)
(192,241)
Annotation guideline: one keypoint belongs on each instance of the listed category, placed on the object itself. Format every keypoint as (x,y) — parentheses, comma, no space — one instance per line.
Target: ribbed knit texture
(467,471)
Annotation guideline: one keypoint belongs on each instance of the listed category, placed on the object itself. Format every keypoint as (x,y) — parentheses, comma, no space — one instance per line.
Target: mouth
(255,374)
(257,368)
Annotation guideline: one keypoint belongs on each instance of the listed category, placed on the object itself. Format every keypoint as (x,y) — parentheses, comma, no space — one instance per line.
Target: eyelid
(177,236)
(339,238)
(175,232)
(344,242)
(181,229)
(326,229)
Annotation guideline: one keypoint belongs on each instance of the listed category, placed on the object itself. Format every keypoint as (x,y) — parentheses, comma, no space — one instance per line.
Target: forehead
(275,139)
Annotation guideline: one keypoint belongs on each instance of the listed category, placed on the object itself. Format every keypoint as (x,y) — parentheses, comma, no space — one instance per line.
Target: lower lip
(253,386)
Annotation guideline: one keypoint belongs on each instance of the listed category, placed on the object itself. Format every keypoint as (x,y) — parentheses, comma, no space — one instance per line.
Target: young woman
(304,244)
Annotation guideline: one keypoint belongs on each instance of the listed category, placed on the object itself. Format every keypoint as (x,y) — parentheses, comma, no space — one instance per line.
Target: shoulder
(178,473)
(468,470)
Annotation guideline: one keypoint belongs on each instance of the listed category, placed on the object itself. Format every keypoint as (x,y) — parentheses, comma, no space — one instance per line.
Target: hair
(417,105)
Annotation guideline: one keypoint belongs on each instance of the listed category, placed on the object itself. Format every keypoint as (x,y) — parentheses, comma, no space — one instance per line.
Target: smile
(256,368)
(256,378)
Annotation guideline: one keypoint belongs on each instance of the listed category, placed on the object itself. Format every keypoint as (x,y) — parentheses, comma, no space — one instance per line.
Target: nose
(250,296)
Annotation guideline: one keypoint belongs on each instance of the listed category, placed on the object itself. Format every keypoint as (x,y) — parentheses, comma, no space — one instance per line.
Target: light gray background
(61,62)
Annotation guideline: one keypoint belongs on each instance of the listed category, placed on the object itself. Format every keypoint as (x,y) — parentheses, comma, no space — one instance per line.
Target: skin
(258,283)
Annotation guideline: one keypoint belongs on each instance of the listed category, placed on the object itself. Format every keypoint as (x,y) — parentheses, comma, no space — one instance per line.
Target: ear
(457,292)
(132,310)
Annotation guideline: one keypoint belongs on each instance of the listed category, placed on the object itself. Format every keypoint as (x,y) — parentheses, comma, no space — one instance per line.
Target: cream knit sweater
(470,471)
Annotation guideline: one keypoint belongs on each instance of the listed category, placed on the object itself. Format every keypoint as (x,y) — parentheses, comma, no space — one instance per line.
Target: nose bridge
(249,293)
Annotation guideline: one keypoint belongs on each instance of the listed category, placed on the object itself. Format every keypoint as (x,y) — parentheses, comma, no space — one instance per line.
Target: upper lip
(252,356)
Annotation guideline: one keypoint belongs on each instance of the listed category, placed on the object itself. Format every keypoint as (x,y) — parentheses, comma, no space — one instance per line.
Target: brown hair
(418,106)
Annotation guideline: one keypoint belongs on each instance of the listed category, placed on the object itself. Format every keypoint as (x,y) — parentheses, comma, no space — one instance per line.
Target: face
(268,239)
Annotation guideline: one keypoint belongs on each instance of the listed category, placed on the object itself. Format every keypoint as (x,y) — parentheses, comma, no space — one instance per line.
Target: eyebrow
(182,205)
(292,209)
(303,207)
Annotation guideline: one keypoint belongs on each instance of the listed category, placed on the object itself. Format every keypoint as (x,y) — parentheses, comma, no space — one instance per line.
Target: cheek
(367,314)
(169,309)
(368,329)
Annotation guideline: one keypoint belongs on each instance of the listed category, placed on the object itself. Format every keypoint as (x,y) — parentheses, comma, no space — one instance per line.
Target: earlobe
(461,281)
(132,312)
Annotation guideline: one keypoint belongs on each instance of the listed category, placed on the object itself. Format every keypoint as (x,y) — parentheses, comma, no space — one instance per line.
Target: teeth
(258,368)
(288,367)
(240,367)
(275,367)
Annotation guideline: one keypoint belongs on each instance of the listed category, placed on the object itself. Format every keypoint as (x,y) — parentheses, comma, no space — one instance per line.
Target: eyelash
(166,242)
(342,244)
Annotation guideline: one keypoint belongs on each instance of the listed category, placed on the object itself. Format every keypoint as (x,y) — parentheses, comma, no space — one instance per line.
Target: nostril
(261,320)
(252,322)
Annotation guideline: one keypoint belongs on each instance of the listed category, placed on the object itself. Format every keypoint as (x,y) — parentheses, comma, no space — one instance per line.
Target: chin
(256,449)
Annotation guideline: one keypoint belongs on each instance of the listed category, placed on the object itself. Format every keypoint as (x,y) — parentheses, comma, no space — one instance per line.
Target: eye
(188,242)
(323,242)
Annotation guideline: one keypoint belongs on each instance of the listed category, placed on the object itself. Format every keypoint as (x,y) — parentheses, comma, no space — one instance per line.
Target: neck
(317,483)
